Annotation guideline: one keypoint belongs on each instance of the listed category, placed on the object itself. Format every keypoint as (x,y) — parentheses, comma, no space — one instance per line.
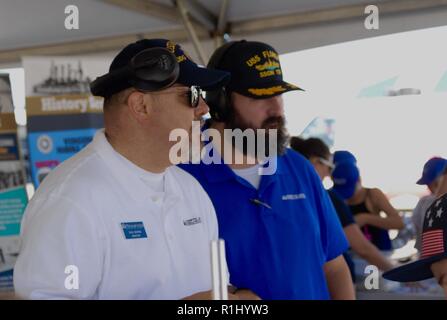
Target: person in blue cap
(442,189)
(282,234)
(366,204)
(433,169)
(433,259)
(319,155)
(432,174)
(344,156)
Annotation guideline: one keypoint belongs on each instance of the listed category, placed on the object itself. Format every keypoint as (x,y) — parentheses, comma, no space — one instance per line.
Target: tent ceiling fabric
(37,27)
(243,10)
(25,23)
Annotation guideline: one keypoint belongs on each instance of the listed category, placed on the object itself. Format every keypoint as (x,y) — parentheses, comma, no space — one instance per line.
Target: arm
(58,233)
(334,242)
(439,270)
(365,249)
(339,279)
(392,221)
(208,295)
(356,239)
(238,294)
(245,294)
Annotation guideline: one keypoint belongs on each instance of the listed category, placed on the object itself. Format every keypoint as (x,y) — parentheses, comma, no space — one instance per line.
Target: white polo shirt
(98,212)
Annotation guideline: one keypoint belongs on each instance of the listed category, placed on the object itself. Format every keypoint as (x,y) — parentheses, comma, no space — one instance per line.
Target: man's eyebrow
(178,85)
(179,88)
(183,90)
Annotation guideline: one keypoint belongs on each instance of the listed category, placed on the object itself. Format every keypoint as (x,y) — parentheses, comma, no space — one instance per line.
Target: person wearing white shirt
(117,220)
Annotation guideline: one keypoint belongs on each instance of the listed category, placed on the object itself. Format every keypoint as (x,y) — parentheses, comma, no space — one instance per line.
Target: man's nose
(276,106)
(201,109)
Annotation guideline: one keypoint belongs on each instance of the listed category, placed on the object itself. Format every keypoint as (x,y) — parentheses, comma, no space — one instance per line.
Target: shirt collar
(222,172)
(129,174)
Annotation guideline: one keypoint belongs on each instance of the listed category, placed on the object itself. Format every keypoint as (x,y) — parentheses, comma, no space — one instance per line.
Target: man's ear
(138,106)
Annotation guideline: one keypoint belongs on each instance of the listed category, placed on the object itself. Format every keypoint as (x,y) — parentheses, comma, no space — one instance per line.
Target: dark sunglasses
(194,95)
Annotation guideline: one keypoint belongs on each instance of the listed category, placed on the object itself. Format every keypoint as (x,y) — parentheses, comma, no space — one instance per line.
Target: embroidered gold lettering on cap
(253,60)
(268,65)
(181,58)
(266,91)
(256,70)
(270,54)
(170,45)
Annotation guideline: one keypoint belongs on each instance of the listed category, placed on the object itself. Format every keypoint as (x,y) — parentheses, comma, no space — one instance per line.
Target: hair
(117,98)
(312,147)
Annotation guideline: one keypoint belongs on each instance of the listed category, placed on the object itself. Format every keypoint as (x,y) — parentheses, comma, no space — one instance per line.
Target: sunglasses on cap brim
(326,162)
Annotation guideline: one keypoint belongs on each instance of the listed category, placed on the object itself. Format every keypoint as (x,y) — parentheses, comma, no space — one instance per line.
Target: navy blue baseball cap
(433,168)
(255,70)
(345,177)
(190,73)
(344,155)
(434,246)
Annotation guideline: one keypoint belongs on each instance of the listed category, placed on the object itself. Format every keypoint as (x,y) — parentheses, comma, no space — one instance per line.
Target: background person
(366,204)
(431,177)
(284,240)
(344,156)
(433,260)
(316,151)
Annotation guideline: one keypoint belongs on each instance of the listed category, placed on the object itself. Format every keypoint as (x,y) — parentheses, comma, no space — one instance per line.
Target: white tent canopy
(37,27)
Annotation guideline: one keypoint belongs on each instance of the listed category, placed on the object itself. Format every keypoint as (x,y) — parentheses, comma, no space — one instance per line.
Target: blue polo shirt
(278,237)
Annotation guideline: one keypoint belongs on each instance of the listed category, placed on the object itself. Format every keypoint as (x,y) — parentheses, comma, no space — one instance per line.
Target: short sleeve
(62,252)
(332,235)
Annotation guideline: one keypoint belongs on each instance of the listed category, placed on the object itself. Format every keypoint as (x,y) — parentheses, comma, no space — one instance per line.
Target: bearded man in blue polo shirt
(283,238)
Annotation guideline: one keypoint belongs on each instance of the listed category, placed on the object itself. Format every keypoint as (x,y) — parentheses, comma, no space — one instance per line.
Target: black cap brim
(268,90)
(414,271)
(207,79)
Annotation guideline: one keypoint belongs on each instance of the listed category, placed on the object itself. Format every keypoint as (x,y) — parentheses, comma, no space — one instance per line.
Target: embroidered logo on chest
(294,196)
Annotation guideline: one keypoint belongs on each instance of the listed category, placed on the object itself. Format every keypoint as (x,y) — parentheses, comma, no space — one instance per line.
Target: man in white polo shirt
(117,220)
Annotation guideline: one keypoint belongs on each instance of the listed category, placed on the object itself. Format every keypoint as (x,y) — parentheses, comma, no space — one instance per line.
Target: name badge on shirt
(192,221)
(133,230)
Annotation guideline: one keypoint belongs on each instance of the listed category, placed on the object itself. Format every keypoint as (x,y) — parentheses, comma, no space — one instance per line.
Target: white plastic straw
(223,271)
(215,270)
(219,270)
